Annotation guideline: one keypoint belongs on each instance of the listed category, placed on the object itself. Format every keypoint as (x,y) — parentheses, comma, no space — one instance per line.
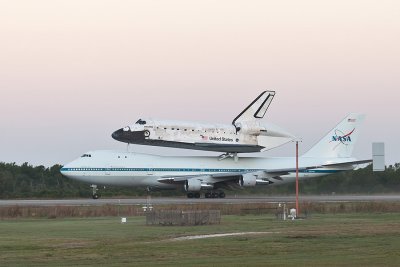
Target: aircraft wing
(177,179)
(232,176)
(267,175)
(356,162)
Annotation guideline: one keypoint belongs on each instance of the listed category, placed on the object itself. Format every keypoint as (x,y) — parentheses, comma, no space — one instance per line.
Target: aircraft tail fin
(340,141)
(257,108)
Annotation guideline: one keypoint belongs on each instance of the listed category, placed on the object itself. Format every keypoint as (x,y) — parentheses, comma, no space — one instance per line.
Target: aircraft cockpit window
(141,122)
(86,156)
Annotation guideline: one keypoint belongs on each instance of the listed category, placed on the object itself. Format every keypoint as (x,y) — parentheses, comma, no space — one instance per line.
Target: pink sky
(72,72)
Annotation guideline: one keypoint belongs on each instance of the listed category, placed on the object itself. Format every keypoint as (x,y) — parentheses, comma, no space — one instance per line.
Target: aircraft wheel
(197,195)
(221,195)
(95,196)
(214,194)
(190,195)
(207,195)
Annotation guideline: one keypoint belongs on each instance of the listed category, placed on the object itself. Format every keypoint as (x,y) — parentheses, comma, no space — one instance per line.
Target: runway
(175,200)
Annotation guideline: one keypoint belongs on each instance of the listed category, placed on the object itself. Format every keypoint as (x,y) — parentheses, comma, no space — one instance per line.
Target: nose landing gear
(95,195)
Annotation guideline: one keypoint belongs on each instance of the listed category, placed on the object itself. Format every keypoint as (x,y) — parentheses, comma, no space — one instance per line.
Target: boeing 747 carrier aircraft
(209,175)
(246,133)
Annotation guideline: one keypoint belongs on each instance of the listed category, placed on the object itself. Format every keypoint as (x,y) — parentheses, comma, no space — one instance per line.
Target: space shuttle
(246,134)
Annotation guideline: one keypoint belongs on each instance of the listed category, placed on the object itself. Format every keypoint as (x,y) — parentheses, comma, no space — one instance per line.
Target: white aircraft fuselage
(143,170)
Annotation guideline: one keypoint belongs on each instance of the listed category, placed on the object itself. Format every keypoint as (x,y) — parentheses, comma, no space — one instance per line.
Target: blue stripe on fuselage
(185,170)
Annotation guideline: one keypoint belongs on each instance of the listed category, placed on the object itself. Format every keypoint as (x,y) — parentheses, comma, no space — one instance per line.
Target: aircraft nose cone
(64,170)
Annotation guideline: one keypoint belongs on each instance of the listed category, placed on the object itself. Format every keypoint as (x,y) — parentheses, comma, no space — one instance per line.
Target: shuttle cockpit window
(86,156)
(141,122)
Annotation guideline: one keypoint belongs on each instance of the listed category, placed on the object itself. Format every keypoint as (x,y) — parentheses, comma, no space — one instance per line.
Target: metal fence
(179,217)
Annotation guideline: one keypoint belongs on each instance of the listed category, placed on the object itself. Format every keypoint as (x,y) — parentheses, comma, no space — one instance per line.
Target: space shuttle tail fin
(257,108)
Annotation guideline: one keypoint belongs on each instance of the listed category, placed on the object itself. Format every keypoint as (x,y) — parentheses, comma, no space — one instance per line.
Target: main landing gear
(217,194)
(95,195)
(211,194)
(193,195)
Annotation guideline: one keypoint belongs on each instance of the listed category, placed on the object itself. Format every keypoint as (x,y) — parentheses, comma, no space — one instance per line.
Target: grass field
(358,239)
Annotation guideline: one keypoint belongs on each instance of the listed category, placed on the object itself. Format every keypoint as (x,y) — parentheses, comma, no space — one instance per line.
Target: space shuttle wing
(229,148)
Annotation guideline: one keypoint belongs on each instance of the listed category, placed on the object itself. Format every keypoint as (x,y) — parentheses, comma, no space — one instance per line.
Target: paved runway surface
(175,200)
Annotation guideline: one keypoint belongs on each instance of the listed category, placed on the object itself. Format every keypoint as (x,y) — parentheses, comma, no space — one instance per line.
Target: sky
(72,72)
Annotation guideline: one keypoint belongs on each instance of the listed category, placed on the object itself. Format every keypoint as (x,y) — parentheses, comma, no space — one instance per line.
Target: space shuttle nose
(117,134)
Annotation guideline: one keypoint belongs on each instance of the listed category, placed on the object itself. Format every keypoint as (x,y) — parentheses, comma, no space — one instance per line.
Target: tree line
(27,181)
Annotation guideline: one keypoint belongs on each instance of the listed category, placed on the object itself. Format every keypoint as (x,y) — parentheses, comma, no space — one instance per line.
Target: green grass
(324,240)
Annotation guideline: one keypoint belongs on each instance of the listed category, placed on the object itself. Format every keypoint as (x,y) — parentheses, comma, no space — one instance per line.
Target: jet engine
(248,180)
(195,185)
(192,185)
